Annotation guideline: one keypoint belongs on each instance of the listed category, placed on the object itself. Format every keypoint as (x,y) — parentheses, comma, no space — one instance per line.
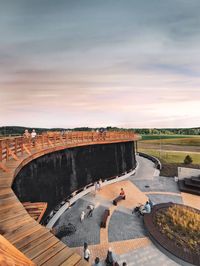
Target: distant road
(184,151)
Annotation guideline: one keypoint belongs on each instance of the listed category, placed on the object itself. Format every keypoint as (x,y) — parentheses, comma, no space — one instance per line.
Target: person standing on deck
(26,134)
(33,136)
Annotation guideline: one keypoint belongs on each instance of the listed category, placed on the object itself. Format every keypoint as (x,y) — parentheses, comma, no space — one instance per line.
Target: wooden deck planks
(73,260)
(5,191)
(36,251)
(7,201)
(49,253)
(59,258)
(82,263)
(20,232)
(6,195)
(5,182)
(15,222)
(37,232)
(10,256)
(5,216)
(36,242)
(6,211)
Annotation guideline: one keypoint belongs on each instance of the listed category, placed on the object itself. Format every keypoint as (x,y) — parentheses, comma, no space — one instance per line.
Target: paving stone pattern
(146,256)
(96,200)
(160,198)
(87,231)
(125,232)
(158,183)
(125,226)
(146,169)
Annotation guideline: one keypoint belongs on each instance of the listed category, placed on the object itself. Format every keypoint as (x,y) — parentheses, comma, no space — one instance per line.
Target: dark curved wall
(54,176)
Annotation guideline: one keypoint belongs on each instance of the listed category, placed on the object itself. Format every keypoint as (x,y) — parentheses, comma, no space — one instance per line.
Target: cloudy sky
(129,63)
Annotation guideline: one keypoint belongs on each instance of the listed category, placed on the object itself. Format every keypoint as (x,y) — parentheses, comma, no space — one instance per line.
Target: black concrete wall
(54,176)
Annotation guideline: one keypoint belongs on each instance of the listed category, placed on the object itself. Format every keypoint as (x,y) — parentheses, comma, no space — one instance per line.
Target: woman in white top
(86,252)
(33,134)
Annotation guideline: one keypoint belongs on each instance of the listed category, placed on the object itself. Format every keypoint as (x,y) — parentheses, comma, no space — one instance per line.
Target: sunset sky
(125,63)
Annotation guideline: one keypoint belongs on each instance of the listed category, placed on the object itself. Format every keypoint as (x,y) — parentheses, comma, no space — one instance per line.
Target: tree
(188,159)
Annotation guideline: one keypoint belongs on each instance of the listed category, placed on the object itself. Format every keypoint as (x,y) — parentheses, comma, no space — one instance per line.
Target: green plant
(181,225)
(188,159)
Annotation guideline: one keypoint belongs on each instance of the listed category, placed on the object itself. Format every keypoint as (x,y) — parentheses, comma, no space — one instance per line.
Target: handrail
(11,148)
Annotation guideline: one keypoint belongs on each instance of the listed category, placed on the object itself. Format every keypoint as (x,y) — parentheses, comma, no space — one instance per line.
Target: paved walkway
(125,232)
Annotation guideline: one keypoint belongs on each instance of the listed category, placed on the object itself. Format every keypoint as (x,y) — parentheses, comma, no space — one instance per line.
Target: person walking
(97,262)
(82,216)
(99,185)
(95,188)
(110,258)
(91,209)
(86,252)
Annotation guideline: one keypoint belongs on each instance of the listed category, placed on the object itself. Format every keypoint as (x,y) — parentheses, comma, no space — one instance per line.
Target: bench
(118,199)
(104,218)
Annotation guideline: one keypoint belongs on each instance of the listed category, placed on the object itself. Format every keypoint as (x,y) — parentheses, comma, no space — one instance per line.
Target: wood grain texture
(10,256)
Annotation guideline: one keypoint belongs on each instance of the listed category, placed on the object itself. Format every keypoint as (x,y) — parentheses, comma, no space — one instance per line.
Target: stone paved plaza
(125,232)
(125,226)
(158,183)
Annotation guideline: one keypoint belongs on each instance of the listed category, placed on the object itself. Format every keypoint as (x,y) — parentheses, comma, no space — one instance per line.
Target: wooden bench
(118,199)
(104,218)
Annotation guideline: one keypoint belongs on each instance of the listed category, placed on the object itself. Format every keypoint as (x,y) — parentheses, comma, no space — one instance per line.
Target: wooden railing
(14,147)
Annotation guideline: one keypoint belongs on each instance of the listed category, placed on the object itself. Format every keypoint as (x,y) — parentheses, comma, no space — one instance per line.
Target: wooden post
(29,144)
(26,149)
(21,145)
(13,154)
(1,152)
(7,149)
(16,143)
(42,140)
(67,137)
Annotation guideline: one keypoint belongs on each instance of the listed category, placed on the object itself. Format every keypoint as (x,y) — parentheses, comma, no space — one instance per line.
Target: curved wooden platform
(35,241)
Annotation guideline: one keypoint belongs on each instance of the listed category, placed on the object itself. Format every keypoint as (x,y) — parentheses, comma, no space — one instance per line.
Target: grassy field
(171,140)
(172,156)
(172,150)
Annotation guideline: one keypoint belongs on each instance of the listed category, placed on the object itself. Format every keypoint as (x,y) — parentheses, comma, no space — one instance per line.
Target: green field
(171,156)
(172,149)
(164,140)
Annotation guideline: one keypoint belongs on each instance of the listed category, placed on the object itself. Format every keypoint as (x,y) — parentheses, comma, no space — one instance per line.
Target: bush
(188,159)
(180,224)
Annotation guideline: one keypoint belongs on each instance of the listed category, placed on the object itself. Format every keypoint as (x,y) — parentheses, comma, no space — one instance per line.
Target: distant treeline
(17,130)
